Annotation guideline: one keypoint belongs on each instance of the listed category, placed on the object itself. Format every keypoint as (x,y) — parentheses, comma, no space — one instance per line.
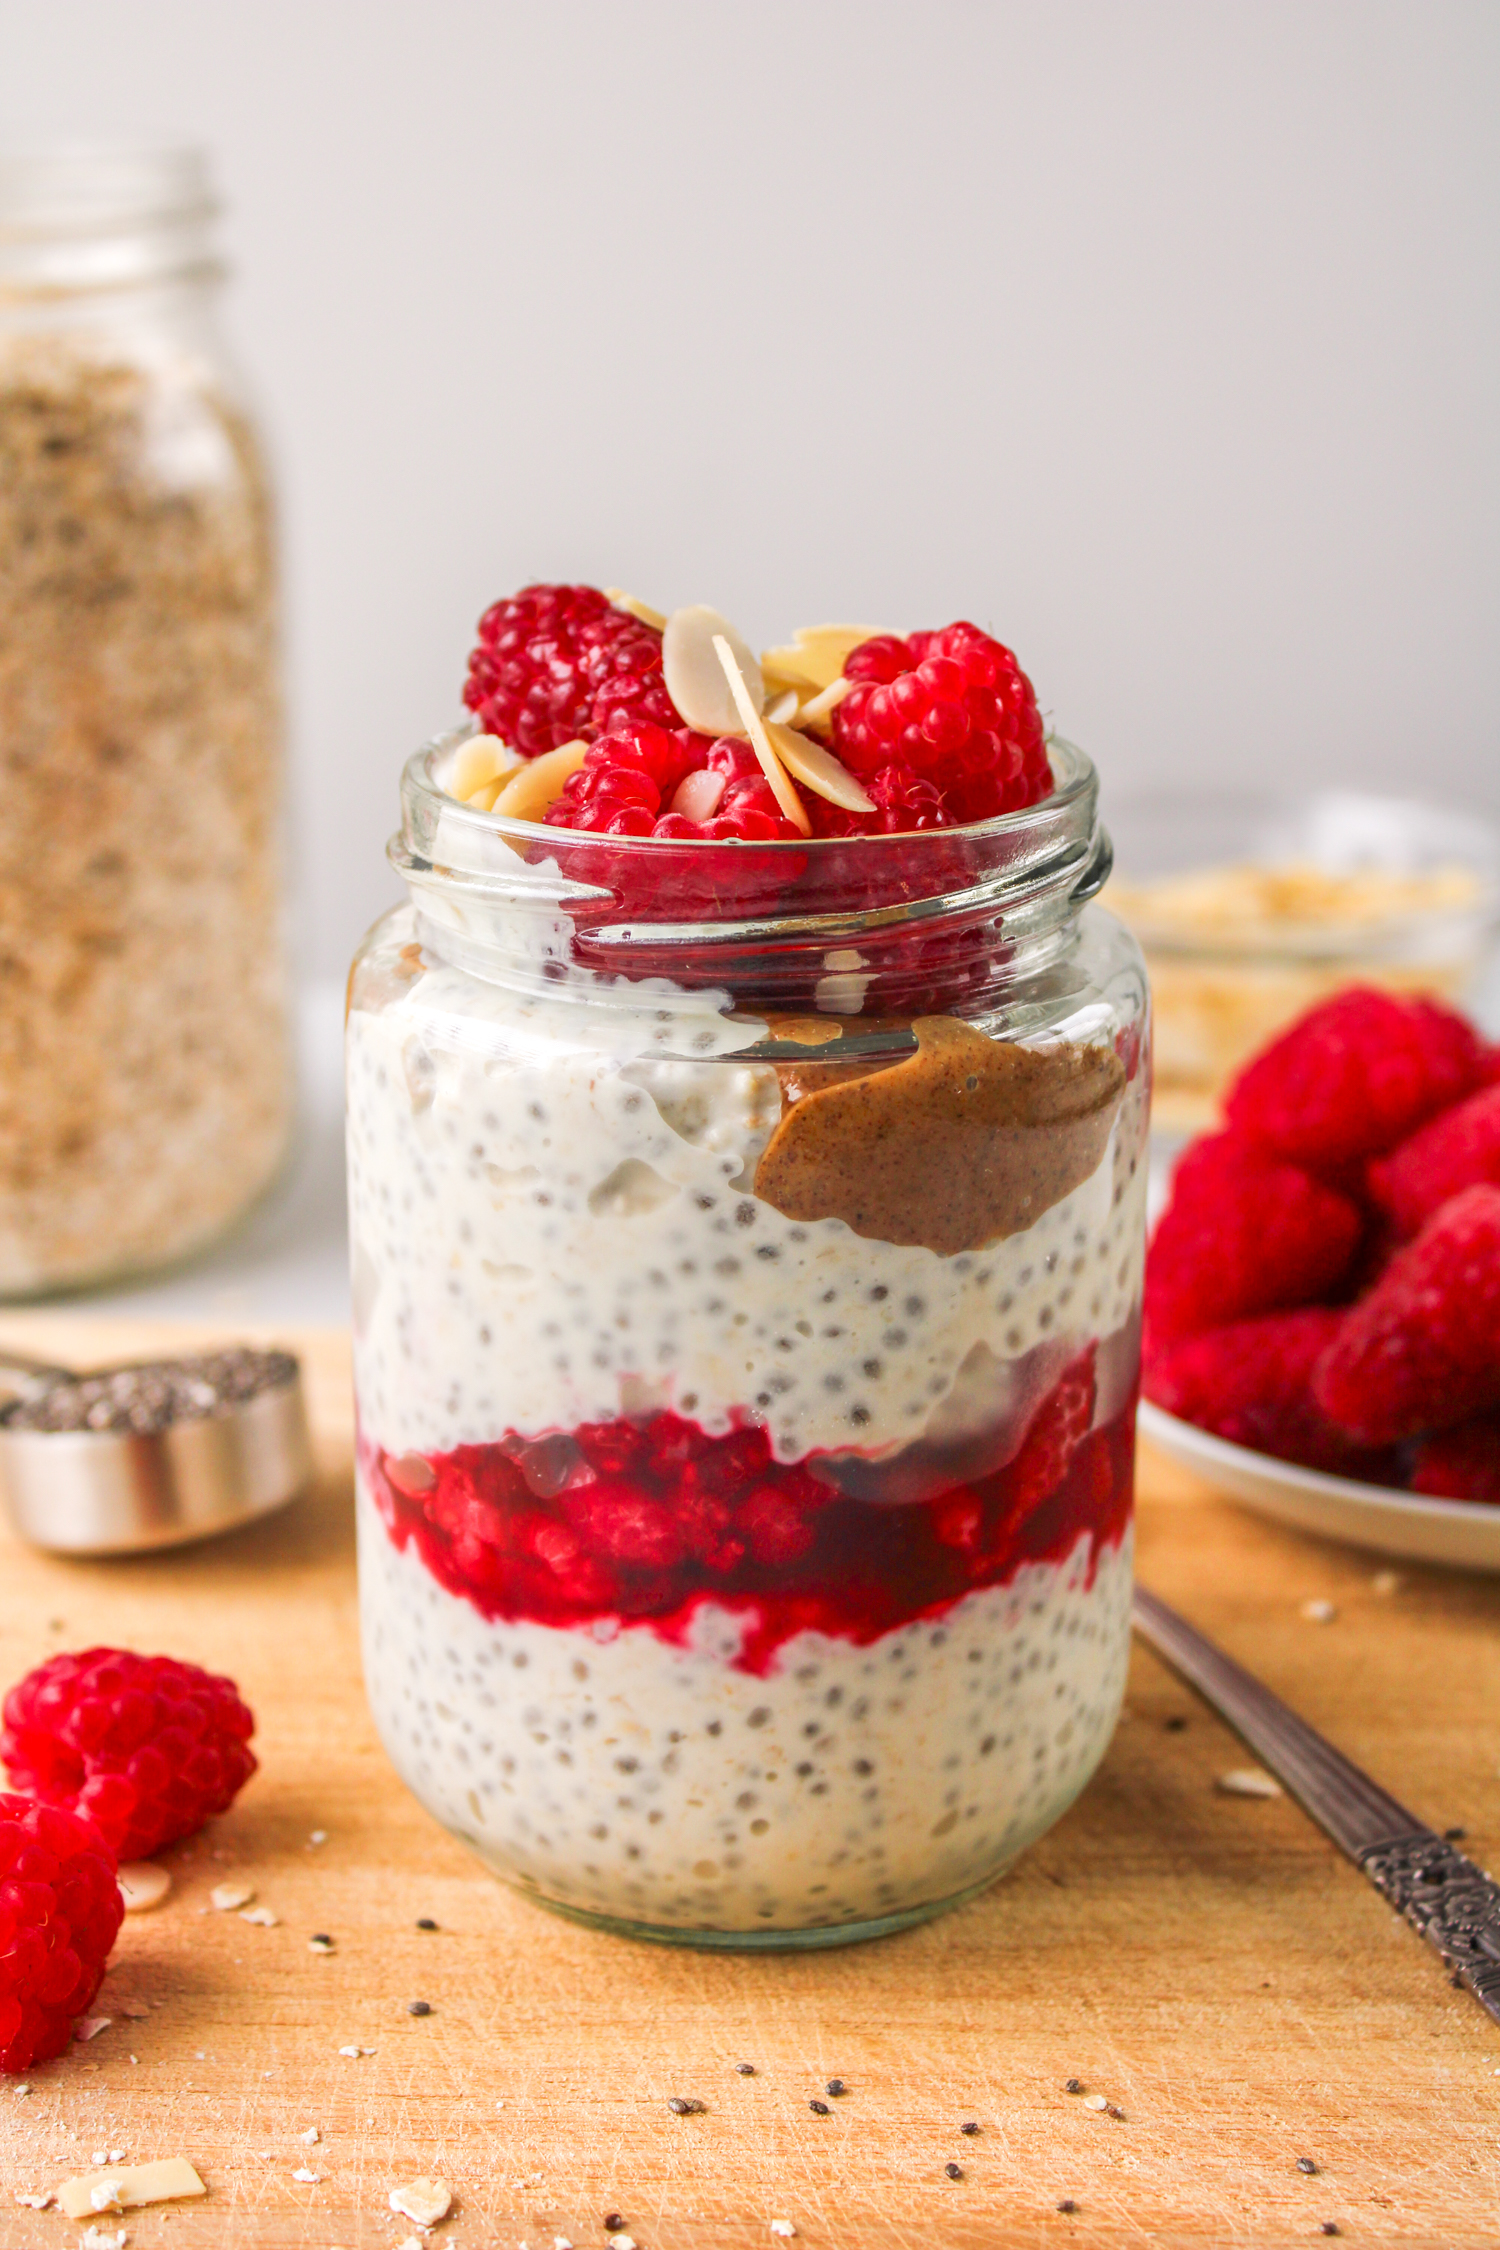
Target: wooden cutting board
(1206,1962)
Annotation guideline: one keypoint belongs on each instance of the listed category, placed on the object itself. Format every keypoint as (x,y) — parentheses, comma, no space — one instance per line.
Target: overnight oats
(747,1118)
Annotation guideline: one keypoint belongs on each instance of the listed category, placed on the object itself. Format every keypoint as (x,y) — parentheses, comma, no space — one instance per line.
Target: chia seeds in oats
(153,1394)
(144,1089)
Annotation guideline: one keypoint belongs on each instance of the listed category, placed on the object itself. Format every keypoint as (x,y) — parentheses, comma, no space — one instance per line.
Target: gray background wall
(1158,335)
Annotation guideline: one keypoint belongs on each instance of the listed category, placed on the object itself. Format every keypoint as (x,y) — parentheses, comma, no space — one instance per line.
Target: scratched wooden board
(1205,1961)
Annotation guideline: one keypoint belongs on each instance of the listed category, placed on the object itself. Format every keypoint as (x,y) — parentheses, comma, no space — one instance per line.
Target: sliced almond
(1248,1781)
(819,709)
(760,742)
(697,795)
(483,799)
(619,599)
(818,769)
(228,1898)
(130,2189)
(142,1884)
(782,708)
(476,763)
(539,783)
(817,652)
(695,682)
(423,2201)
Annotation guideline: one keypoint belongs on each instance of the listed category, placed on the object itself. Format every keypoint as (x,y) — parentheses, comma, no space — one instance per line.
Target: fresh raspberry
(1057,1429)
(60,1910)
(628,786)
(956,709)
(147,1748)
(557,662)
(1460,1464)
(1251,1382)
(1459,1148)
(1353,1077)
(1243,1234)
(1422,1350)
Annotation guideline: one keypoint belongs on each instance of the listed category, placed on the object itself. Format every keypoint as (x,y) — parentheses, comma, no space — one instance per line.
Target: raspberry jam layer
(644,1522)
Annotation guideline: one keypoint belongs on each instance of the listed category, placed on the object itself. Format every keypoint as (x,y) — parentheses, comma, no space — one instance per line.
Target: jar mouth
(921,920)
(1013,854)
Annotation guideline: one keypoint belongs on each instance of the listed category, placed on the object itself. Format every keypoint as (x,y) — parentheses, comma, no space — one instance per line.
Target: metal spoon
(160,1451)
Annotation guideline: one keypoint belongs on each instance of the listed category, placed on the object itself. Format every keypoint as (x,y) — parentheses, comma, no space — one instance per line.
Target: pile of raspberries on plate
(119,1755)
(1325,1282)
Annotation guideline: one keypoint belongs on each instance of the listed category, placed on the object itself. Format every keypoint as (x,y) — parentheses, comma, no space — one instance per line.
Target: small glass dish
(1250,908)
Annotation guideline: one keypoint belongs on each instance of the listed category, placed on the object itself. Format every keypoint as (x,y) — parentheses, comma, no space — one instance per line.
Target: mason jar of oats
(144,1064)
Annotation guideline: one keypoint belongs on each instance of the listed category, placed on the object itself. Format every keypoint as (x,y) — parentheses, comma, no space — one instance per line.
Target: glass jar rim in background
(78,216)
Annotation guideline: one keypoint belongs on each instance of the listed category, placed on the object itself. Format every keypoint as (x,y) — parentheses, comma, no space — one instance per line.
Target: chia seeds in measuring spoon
(151,1395)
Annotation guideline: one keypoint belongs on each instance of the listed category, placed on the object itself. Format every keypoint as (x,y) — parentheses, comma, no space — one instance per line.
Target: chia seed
(835,2086)
(746,2070)
(426,1923)
(681,2106)
(954,2171)
(970,2128)
(151,1395)
(1306,2164)
(820,2109)
(419,2007)
(1072,2085)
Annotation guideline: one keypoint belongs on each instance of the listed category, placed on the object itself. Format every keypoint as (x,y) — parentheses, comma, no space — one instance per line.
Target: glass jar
(747,1249)
(144,1058)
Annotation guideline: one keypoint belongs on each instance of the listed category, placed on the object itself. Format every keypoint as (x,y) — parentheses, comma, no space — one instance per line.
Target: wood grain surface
(1206,1962)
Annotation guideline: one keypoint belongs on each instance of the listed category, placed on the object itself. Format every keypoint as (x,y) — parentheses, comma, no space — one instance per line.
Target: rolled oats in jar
(144,1062)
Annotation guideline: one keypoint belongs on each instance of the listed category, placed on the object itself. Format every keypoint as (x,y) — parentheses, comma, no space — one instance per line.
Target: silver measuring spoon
(149,1453)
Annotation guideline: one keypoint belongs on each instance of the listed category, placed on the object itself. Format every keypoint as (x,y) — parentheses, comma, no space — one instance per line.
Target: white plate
(1462,1533)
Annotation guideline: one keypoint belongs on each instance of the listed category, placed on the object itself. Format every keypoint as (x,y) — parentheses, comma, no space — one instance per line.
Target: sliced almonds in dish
(816,653)
(817,769)
(477,764)
(617,598)
(528,793)
(782,708)
(753,725)
(699,688)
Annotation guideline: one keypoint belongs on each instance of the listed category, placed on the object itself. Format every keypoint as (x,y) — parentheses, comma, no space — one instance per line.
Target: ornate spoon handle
(1444,1896)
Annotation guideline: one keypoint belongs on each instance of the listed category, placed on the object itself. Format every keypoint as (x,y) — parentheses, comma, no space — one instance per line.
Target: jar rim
(705,911)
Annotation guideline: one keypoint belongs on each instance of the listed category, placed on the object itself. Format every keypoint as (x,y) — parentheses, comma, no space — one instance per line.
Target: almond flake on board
(127,2190)
(89,2027)
(142,1884)
(760,742)
(423,2201)
(261,1916)
(307,2178)
(1248,1781)
(818,769)
(1319,1612)
(228,1898)
(782,2226)
(527,794)
(617,598)
(34,2202)
(697,682)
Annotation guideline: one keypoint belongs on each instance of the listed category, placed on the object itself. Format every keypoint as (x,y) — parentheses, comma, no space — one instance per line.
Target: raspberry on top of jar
(603,715)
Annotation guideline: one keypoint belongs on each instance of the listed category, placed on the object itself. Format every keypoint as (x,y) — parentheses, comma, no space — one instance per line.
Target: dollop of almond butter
(968,1140)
